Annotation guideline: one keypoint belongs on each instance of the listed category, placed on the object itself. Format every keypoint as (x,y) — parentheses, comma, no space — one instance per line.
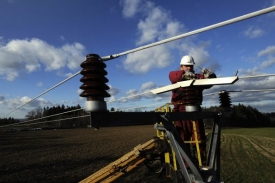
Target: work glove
(188,75)
(207,73)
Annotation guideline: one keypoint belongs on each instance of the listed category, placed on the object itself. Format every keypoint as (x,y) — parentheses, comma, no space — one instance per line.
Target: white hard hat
(187,60)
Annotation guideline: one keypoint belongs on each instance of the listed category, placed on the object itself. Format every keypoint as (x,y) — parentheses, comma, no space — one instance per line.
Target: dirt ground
(70,155)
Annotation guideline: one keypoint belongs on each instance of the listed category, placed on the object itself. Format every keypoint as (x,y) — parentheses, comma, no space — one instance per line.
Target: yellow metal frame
(160,134)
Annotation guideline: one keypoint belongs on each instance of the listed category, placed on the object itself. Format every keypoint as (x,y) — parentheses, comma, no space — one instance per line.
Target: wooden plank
(108,173)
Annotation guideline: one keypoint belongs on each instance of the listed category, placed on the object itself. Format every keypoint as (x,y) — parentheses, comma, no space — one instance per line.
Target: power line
(132,96)
(23,122)
(263,75)
(214,26)
(51,121)
(140,106)
(50,116)
(43,93)
(260,90)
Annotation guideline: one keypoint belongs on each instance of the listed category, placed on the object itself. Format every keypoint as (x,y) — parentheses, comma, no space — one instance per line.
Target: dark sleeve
(176,76)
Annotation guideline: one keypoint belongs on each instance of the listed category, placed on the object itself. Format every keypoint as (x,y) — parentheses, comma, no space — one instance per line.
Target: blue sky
(43,42)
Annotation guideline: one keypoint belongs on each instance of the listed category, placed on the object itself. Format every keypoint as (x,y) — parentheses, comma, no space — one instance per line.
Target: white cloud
(131,92)
(153,26)
(198,52)
(73,54)
(144,91)
(79,91)
(148,86)
(268,51)
(143,61)
(253,71)
(156,25)
(111,99)
(158,98)
(113,91)
(270,60)
(130,7)
(62,38)
(29,55)
(25,99)
(253,32)
(39,84)
(9,74)
(11,104)
(268,63)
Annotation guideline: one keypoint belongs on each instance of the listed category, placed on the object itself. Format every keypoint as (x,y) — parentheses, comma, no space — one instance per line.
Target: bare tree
(31,114)
(39,112)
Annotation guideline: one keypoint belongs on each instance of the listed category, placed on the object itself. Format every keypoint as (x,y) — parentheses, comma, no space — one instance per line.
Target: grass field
(248,155)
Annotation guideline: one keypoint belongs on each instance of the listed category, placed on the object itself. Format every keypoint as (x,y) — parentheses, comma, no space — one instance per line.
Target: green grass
(248,155)
(262,132)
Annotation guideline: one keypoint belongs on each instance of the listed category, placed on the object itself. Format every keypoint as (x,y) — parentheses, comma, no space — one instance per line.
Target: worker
(189,99)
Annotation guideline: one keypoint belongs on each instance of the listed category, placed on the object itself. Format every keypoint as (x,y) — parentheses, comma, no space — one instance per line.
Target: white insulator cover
(95,106)
(191,108)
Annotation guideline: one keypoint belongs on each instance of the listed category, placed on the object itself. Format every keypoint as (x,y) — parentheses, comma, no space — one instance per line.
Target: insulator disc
(190,95)
(93,70)
(92,55)
(96,63)
(94,77)
(96,85)
(95,93)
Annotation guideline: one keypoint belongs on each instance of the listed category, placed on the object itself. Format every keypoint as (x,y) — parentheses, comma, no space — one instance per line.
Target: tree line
(50,117)
(245,116)
(40,112)
(10,120)
(240,116)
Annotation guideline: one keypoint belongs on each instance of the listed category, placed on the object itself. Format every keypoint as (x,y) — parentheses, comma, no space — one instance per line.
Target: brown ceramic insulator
(190,96)
(225,100)
(94,78)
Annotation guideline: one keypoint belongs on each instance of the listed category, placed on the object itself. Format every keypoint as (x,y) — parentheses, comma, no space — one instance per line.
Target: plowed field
(67,155)
(70,155)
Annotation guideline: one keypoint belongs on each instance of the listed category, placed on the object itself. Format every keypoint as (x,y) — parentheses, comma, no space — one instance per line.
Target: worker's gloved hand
(188,75)
(207,73)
